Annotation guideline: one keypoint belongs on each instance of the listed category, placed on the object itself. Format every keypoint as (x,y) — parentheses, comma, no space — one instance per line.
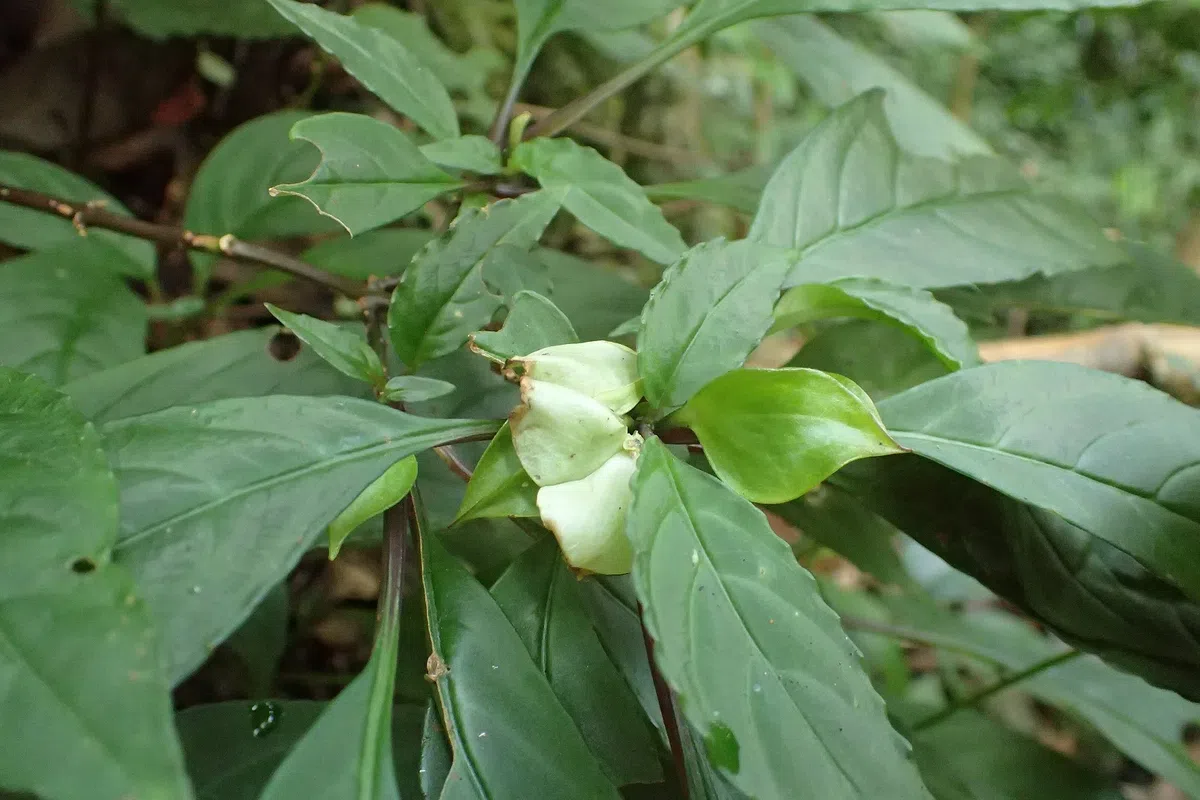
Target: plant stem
(978,697)
(499,131)
(395,538)
(666,705)
(93,215)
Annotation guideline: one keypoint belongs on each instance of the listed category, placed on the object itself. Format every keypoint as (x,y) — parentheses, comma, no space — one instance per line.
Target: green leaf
(774,434)
(542,600)
(837,69)
(1084,589)
(506,727)
(218,501)
(877,357)
(76,640)
(913,310)
(384,492)
(244,364)
(261,639)
(739,190)
(159,19)
(443,297)
(415,389)
(370,172)
(596,298)
(381,252)
(37,230)
(723,596)
(600,195)
(66,312)
(231,191)
(710,311)
(968,757)
(344,350)
(852,205)
(1109,454)
(469,153)
(230,755)
(533,323)
(1149,287)
(499,486)
(380,63)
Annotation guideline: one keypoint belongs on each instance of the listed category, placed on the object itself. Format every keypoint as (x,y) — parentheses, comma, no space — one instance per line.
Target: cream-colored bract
(587,516)
(562,435)
(604,371)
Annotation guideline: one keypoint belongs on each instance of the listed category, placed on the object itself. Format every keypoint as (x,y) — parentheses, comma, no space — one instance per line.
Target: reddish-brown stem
(666,704)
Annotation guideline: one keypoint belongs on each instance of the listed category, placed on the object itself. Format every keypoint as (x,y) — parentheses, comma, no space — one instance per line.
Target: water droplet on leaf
(264,716)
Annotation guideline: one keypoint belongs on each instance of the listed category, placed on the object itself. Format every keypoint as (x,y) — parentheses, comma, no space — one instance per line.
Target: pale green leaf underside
(533,323)
(345,350)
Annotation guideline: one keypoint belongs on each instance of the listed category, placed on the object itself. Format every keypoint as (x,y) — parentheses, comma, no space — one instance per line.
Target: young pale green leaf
(231,191)
(383,493)
(443,297)
(723,595)
(710,311)
(600,195)
(36,230)
(915,311)
(837,69)
(66,311)
(499,486)
(562,435)
(415,389)
(380,62)
(587,517)
(1109,454)
(243,364)
(468,153)
(77,638)
(969,756)
(507,728)
(877,356)
(381,252)
(256,481)
(370,172)
(604,371)
(533,323)
(1084,589)
(344,350)
(852,205)
(544,603)
(774,434)
(160,19)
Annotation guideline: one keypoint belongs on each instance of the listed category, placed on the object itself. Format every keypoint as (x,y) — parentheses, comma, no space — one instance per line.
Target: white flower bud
(587,516)
(561,435)
(604,371)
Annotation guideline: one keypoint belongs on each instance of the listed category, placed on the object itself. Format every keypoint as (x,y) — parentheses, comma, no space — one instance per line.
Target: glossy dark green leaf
(600,195)
(724,596)
(415,389)
(66,311)
(243,364)
(1115,457)
(596,298)
(533,323)
(380,62)
(852,205)
(469,153)
(435,754)
(382,252)
(230,193)
(370,173)
(774,434)
(1150,287)
(710,311)
(837,69)
(76,639)
(218,501)
(384,492)
(1086,590)
(443,297)
(500,486)
(969,757)
(36,230)
(344,350)
(877,356)
(506,726)
(542,600)
(915,311)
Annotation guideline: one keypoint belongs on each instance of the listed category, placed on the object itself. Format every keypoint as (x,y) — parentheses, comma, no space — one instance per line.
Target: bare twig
(454,461)
(94,215)
(666,705)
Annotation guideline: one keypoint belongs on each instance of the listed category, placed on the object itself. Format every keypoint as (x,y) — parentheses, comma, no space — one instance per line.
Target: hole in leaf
(284,346)
(82,566)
